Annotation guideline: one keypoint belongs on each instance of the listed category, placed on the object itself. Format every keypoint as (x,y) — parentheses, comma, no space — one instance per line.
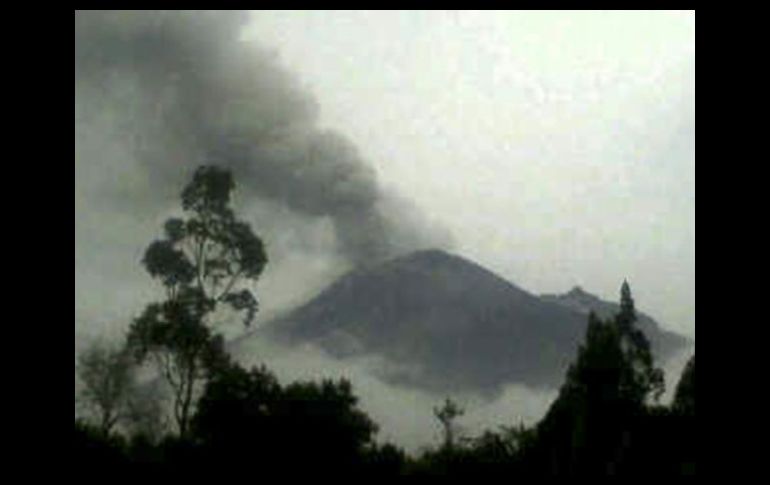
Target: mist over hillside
(317,340)
(391,204)
(441,323)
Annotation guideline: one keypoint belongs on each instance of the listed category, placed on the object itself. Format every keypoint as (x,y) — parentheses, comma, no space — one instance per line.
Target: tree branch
(230,285)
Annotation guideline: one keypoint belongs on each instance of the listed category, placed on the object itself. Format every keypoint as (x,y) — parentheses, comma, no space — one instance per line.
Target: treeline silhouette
(606,420)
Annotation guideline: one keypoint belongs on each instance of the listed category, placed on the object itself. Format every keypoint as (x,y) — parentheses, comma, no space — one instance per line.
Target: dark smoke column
(185,90)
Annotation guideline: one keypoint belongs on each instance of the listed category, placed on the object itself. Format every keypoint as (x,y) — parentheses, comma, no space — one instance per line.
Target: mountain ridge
(446,323)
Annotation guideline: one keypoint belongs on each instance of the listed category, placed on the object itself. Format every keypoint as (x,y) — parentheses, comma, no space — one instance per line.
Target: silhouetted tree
(184,350)
(386,460)
(572,436)
(93,447)
(642,377)
(236,413)
(106,374)
(322,423)
(588,429)
(447,414)
(204,261)
(500,452)
(315,426)
(684,397)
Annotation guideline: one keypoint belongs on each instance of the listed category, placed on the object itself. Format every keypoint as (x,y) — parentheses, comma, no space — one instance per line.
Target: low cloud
(405,415)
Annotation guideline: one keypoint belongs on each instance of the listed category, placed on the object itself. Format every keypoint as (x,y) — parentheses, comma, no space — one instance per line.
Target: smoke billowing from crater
(159,93)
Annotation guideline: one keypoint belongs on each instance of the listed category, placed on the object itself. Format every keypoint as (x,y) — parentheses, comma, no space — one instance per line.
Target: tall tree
(204,261)
(684,397)
(641,377)
(587,429)
(577,430)
(211,255)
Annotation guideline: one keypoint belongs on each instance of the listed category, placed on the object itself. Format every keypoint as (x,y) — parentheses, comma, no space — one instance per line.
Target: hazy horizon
(554,148)
(557,147)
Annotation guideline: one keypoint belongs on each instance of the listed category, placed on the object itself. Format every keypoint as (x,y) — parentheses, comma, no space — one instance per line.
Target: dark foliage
(604,422)
(601,423)
(245,414)
(204,261)
(684,399)
(93,446)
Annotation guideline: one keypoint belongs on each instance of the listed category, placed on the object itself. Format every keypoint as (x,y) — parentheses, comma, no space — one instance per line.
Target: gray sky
(555,149)
(558,147)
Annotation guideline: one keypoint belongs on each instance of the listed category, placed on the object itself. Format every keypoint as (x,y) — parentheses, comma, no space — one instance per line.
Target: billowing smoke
(164,92)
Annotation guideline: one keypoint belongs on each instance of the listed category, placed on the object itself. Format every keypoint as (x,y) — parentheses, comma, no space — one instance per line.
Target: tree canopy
(587,429)
(684,397)
(204,261)
(606,419)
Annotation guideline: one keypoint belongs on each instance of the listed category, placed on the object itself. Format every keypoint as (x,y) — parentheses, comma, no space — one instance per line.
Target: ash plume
(159,93)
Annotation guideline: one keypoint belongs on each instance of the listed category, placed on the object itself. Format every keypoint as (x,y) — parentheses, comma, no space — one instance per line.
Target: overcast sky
(558,147)
(554,148)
